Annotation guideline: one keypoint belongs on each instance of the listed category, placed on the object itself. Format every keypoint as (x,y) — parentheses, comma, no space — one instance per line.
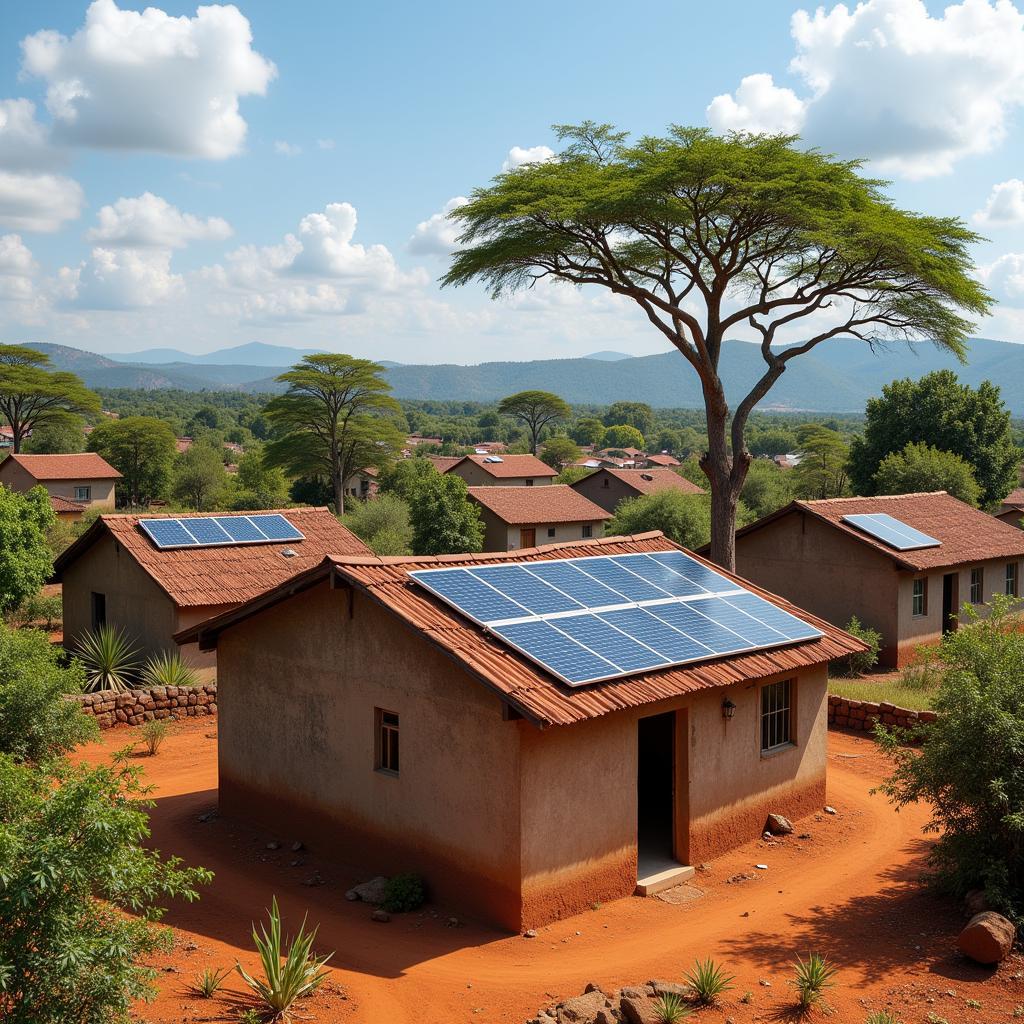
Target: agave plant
(110,659)
(708,981)
(670,1009)
(284,983)
(168,668)
(813,976)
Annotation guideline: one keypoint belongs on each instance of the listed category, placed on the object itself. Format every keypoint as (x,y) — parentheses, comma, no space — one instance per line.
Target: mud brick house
(522,517)
(1012,508)
(117,573)
(538,738)
(75,483)
(903,564)
(502,471)
(607,487)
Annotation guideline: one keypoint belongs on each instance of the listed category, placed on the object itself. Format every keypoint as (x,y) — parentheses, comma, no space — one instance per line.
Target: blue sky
(132,217)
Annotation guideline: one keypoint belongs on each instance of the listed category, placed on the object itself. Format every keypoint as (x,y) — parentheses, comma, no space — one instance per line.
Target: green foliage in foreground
(404,893)
(444,520)
(813,976)
(25,560)
(110,659)
(708,981)
(684,518)
(383,522)
(670,1009)
(969,768)
(863,661)
(80,894)
(168,668)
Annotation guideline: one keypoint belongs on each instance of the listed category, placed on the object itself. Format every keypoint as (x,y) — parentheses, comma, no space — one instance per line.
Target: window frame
(83,492)
(781,712)
(587,531)
(923,613)
(552,531)
(978,570)
(1011,579)
(387,742)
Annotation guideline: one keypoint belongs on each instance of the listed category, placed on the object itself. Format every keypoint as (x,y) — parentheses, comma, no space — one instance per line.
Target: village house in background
(607,487)
(825,557)
(75,483)
(115,573)
(1012,508)
(521,517)
(362,484)
(360,711)
(502,470)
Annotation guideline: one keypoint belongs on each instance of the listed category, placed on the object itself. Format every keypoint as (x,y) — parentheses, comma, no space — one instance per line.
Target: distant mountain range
(256,353)
(839,376)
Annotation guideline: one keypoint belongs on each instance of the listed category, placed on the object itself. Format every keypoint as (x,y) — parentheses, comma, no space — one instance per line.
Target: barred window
(776,715)
(387,741)
(1011,579)
(977,585)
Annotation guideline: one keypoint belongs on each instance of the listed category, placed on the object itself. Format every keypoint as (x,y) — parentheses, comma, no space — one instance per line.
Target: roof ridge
(868,497)
(123,516)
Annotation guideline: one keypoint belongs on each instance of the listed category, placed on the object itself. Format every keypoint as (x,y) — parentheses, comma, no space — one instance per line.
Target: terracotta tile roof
(442,463)
(197,577)
(1014,498)
(633,453)
(522,684)
(663,460)
(524,506)
(84,466)
(967,534)
(60,504)
(647,481)
(510,466)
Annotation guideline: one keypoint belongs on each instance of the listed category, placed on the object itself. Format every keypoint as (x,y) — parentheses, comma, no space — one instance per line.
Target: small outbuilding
(607,487)
(533,732)
(502,471)
(522,517)
(904,564)
(75,483)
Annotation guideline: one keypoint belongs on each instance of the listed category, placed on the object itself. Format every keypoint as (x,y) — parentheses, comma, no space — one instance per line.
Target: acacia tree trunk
(338,481)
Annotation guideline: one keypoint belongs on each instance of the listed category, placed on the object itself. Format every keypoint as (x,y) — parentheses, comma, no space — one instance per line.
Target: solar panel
(890,530)
(602,617)
(218,531)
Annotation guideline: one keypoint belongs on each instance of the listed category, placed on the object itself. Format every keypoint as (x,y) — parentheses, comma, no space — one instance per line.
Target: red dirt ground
(850,891)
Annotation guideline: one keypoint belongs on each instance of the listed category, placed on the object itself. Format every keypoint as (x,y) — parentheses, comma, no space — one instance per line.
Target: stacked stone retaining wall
(861,715)
(134,707)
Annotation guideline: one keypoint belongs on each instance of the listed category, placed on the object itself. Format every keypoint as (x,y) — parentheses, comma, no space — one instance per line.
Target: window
(529,483)
(98,605)
(977,585)
(1011,579)
(605,482)
(588,530)
(776,716)
(919,597)
(83,494)
(551,531)
(387,741)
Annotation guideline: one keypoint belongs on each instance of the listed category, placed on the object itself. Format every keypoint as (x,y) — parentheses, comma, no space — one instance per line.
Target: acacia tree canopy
(708,234)
(535,410)
(141,449)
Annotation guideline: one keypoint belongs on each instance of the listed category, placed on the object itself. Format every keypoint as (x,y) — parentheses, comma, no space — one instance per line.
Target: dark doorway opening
(950,601)
(655,785)
(98,610)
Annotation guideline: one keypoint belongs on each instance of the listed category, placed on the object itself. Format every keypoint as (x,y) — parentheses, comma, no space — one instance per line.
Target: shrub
(300,975)
(670,1009)
(154,732)
(881,1017)
(813,976)
(383,522)
(404,893)
(168,668)
(109,658)
(25,559)
(862,661)
(208,981)
(708,981)
(40,609)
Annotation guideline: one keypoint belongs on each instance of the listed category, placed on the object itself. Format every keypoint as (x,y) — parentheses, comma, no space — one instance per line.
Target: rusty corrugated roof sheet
(525,686)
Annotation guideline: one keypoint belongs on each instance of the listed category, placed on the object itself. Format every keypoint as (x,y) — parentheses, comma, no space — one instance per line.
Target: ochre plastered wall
(608,497)
(18,478)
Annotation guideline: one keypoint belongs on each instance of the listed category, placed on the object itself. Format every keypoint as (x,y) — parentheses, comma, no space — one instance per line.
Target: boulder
(382,916)
(778,825)
(581,1009)
(987,939)
(975,902)
(369,892)
(639,1009)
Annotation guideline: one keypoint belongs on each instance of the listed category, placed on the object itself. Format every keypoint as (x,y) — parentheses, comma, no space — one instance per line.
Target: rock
(208,816)
(581,1009)
(454,922)
(608,1015)
(829,810)
(352,896)
(670,988)
(314,879)
(529,934)
(761,867)
(804,835)
(592,986)
(369,892)
(633,992)
(297,846)
(975,902)
(273,845)
(639,1010)
(382,916)
(778,825)
(987,939)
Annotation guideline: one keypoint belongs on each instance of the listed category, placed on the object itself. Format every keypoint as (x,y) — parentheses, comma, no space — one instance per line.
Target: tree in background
(535,410)
(684,518)
(821,472)
(25,559)
(919,467)
(405,477)
(383,523)
(772,441)
(141,449)
(622,436)
(707,235)
(570,474)
(941,412)
(767,488)
(588,430)
(444,520)
(635,414)
(198,478)
(559,451)
(256,485)
(325,419)
(59,434)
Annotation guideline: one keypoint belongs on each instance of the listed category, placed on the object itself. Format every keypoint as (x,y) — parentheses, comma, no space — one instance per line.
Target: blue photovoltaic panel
(213,531)
(890,530)
(238,528)
(167,533)
(207,531)
(590,619)
(275,527)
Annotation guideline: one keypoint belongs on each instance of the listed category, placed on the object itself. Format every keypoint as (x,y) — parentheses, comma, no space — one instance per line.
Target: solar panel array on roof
(890,530)
(601,617)
(217,531)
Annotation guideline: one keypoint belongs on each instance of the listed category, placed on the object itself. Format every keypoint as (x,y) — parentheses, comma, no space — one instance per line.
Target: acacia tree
(31,393)
(707,235)
(141,449)
(535,410)
(325,420)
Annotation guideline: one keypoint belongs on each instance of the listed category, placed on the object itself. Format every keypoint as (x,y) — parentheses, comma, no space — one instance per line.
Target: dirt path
(848,890)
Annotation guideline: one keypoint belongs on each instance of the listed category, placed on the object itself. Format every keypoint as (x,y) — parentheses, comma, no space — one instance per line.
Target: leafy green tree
(821,472)
(941,412)
(588,430)
(383,523)
(141,449)
(622,435)
(405,477)
(968,769)
(25,558)
(256,484)
(535,410)
(80,893)
(31,393)
(444,520)
(919,467)
(684,518)
(36,721)
(706,234)
(559,451)
(324,420)
(198,478)
(635,414)
(571,474)
(772,441)
(58,434)
(767,488)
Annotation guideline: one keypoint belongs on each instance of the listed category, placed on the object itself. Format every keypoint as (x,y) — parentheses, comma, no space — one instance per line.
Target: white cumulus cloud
(283,148)
(436,236)
(1004,207)
(149,81)
(518,155)
(1004,277)
(17,269)
(758,105)
(120,279)
(149,221)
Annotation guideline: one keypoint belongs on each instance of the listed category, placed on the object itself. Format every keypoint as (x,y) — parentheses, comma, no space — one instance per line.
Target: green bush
(862,661)
(404,893)
(154,732)
(44,610)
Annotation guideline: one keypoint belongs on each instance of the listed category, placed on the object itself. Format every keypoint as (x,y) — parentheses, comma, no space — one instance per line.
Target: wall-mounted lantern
(728,708)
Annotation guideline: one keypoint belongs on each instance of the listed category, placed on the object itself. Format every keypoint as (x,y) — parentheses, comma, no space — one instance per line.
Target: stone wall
(861,715)
(137,706)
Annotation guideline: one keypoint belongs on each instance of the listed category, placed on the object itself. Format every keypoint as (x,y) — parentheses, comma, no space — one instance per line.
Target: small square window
(776,716)
(588,530)
(551,531)
(83,494)
(919,597)
(386,756)
(529,483)
(977,585)
(1011,579)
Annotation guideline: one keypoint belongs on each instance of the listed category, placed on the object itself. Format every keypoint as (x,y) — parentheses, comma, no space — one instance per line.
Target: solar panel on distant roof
(219,531)
(605,616)
(892,531)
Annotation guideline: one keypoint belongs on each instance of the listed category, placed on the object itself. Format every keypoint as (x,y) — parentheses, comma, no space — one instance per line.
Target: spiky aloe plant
(708,981)
(110,659)
(670,1009)
(298,976)
(881,1017)
(813,976)
(168,668)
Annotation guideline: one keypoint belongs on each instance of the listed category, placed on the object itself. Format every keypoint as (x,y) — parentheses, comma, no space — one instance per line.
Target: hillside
(256,353)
